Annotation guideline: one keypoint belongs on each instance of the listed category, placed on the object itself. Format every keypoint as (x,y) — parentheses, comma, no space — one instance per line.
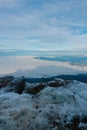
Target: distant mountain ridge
(79,77)
(15,52)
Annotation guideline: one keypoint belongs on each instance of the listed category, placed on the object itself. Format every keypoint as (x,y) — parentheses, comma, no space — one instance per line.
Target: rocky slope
(55,105)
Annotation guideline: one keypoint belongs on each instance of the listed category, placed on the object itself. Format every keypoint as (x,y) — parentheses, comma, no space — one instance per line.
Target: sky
(43,24)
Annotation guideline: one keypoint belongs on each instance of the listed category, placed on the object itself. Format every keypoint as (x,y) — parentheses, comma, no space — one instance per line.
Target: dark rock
(2,121)
(4,81)
(68,81)
(56,83)
(84,119)
(34,88)
(17,85)
(74,124)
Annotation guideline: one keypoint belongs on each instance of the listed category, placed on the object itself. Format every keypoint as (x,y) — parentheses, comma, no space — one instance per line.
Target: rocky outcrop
(48,108)
(19,85)
(4,81)
(56,83)
(16,85)
(34,88)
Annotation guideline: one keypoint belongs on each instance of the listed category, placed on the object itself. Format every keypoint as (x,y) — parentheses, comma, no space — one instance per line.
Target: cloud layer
(43,24)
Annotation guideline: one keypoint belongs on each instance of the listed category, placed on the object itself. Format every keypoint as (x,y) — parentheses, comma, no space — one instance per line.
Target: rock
(84,119)
(56,83)
(34,88)
(68,82)
(74,123)
(4,81)
(17,85)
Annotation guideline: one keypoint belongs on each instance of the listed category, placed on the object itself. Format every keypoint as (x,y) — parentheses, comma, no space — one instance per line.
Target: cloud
(9,3)
(43,24)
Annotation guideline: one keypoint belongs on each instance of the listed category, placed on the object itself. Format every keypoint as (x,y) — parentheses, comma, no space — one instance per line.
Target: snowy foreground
(56,105)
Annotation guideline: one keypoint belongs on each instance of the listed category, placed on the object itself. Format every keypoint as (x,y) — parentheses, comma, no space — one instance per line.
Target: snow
(41,111)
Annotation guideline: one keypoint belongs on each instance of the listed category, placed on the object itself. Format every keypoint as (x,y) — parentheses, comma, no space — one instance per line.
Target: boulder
(34,88)
(56,83)
(17,85)
(4,81)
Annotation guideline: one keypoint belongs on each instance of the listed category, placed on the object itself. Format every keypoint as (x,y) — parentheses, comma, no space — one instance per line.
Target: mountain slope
(58,105)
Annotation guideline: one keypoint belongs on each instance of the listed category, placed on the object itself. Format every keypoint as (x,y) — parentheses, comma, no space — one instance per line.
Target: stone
(56,83)
(4,81)
(17,85)
(35,88)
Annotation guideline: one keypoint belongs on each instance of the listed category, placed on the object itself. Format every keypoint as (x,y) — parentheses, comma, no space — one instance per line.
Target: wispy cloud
(50,24)
(9,3)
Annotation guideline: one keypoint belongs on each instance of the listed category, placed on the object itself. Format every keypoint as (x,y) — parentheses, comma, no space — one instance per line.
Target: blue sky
(43,24)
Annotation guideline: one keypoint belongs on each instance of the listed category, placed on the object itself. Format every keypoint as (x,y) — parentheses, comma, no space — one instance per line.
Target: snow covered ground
(31,67)
(53,108)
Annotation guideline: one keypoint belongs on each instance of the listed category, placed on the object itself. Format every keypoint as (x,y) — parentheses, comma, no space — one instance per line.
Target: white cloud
(50,23)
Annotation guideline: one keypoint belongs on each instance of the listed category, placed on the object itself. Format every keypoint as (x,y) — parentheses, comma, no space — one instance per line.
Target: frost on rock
(50,108)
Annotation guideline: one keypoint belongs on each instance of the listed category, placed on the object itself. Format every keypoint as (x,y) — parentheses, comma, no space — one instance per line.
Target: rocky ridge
(55,105)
